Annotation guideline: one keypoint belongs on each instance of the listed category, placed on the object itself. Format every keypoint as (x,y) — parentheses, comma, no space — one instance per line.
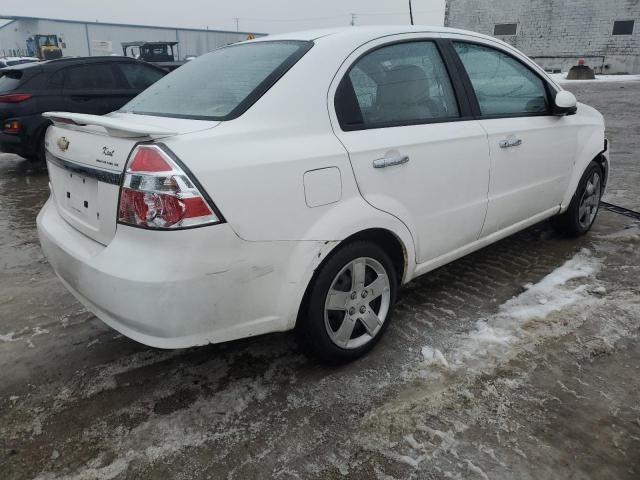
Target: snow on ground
(562,78)
(629,235)
(163,435)
(552,307)
(522,319)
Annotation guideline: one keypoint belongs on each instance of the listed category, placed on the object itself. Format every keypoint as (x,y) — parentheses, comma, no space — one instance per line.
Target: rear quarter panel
(253,167)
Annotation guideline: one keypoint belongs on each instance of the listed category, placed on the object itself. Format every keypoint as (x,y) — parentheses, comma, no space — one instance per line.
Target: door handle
(510,142)
(390,161)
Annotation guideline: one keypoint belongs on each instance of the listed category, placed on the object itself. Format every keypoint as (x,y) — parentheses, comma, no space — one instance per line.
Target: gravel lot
(519,361)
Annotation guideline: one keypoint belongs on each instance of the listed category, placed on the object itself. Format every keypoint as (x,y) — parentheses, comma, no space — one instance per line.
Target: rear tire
(349,303)
(39,156)
(584,206)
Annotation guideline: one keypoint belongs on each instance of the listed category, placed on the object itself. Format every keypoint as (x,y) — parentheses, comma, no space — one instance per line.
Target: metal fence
(14,52)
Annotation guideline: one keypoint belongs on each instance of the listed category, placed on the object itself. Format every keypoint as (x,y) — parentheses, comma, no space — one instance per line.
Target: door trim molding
(438,262)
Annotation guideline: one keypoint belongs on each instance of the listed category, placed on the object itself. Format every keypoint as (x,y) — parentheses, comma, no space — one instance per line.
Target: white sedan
(298,180)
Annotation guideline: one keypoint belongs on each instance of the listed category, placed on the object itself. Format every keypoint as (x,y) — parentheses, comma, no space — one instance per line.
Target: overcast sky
(271,16)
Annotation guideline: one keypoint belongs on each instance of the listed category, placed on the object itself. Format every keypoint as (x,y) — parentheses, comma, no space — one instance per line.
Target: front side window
(400,84)
(219,85)
(503,85)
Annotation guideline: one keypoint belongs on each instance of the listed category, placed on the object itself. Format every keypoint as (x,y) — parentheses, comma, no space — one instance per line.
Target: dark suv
(96,85)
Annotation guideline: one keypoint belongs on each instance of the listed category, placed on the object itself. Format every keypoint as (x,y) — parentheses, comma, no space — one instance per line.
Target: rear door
(532,151)
(91,88)
(415,150)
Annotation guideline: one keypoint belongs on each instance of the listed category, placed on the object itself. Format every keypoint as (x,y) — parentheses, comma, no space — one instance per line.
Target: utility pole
(237,19)
(411,12)
(353,19)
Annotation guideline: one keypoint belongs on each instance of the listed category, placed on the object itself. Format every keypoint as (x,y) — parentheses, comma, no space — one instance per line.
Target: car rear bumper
(175,289)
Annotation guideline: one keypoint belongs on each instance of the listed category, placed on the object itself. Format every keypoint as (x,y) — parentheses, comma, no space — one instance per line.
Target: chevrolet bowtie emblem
(63,144)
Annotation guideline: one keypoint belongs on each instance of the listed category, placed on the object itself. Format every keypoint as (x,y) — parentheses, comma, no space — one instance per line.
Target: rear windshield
(9,80)
(220,85)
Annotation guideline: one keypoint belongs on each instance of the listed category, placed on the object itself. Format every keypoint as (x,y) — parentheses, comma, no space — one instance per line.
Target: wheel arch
(594,150)
(389,241)
(603,160)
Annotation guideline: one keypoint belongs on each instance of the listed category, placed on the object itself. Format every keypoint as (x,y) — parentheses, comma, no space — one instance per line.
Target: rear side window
(502,84)
(9,80)
(138,76)
(400,84)
(222,84)
(98,76)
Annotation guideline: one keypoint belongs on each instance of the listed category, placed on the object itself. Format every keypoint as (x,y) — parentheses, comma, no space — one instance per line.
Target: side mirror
(565,104)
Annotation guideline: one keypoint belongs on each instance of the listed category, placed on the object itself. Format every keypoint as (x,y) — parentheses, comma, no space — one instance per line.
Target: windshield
(220,85)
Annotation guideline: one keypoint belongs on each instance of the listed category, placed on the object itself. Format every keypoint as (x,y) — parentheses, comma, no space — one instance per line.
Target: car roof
(348,38)
(9,59)
(142,43)
(373,31)
(52,65)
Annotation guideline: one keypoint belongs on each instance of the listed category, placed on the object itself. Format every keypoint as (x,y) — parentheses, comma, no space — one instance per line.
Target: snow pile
(522,319)
(433,357)
(629,235)
(9,337)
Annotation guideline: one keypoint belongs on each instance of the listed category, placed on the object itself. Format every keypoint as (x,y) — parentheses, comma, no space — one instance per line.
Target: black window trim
(257,93)
(550,89)
(464,107)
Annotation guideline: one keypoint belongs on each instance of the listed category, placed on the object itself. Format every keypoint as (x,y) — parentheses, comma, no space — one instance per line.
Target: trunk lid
(86,156)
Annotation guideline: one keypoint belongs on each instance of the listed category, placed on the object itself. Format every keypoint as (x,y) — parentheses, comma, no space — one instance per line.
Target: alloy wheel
(357,303)
(590,201)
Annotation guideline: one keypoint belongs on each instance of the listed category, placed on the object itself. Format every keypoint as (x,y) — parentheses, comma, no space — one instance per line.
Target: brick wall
(558,32)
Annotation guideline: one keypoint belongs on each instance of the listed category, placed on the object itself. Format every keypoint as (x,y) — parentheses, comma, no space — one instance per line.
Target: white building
(556,33)
(95,38)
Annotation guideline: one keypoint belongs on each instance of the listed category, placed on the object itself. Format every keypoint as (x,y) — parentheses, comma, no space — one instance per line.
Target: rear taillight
(12,126)
(157,193)
(15,97)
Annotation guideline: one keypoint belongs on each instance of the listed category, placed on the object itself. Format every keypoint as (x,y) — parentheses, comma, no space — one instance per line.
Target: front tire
(349,303)
(584,206)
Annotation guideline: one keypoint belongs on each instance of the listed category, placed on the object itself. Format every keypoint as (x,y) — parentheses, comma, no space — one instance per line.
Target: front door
(414,152)
(532,151)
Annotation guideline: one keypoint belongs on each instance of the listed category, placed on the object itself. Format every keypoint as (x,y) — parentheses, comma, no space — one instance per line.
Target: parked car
(95,85)
(13,61)
(297,181)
